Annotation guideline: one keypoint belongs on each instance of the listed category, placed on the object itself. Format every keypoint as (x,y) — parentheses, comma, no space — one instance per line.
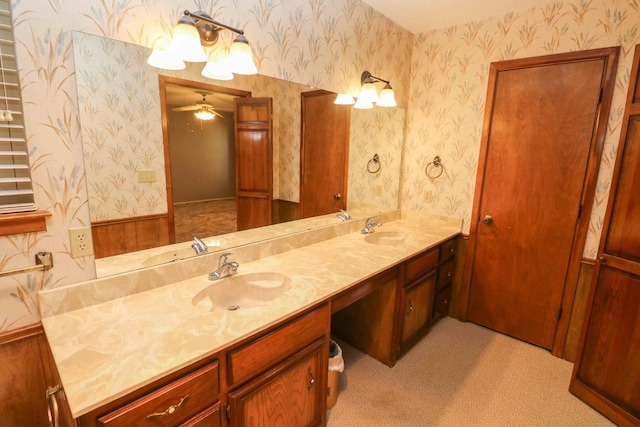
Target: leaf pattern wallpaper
(440,80)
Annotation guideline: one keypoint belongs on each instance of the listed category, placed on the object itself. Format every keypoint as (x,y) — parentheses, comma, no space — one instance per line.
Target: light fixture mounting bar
(206,18)
(367,76)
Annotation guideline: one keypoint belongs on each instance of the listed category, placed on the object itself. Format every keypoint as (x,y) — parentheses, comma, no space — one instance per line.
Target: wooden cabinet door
(324,154)
(291,394)
(606,373)
(254,161)
(417,307)
(540,138)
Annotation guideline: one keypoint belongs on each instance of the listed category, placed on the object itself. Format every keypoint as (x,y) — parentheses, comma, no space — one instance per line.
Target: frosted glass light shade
(160,57)
(368,93)
(387,98)
(241,57)
(186,42)
(344,99)
(363,104)
(218,67)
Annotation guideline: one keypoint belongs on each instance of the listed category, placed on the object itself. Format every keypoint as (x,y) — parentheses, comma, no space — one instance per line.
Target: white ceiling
(420,16)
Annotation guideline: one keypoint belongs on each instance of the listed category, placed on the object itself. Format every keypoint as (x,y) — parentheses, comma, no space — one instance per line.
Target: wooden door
(540,136)
(254,161)
(606,373)
(324,155)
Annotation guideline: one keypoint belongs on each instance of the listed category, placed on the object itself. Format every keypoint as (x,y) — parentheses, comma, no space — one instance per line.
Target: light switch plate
(81,242)
(146,175)
(428,196)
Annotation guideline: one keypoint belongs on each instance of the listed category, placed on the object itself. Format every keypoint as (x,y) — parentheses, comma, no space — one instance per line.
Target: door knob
(337,196)
(488,219)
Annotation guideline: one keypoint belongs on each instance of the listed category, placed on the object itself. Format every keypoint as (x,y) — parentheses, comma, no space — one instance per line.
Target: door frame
(163,81)
(610,57)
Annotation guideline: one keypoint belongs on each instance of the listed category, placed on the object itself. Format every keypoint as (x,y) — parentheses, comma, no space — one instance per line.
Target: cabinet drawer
(448,250)
(210,417)
(420,264)
(445,274)
(171,405)
(441,303)
(265,352)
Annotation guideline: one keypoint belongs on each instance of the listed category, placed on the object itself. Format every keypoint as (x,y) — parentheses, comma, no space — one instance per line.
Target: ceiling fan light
(186,42)
(241,57)
(204,114)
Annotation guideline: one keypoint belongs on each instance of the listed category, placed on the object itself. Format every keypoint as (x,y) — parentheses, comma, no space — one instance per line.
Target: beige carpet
(460,374)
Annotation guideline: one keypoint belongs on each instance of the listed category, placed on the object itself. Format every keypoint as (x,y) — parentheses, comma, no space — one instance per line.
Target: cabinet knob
(410,308)
(488,219)
(312,380)
(602,259)
(337,196)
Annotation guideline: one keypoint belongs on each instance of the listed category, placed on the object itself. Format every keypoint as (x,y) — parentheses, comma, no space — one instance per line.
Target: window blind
(16,189)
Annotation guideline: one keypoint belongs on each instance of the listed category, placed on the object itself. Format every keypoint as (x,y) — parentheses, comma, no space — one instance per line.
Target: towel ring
(435,164)
(374,164)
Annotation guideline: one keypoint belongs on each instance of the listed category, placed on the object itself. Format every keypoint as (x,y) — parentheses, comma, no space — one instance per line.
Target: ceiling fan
(203,110)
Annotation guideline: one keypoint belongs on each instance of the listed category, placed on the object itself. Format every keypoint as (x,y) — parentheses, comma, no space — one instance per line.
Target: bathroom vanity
(165,355)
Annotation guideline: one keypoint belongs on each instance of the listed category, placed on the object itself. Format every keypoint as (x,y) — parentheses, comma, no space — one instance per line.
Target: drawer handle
(312,380)
(410,309)
(170,410)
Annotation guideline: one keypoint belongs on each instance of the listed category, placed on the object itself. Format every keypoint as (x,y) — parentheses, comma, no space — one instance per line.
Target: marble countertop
(106,350)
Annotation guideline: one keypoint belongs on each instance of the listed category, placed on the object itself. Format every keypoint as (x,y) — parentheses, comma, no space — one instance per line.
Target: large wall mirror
(122,119)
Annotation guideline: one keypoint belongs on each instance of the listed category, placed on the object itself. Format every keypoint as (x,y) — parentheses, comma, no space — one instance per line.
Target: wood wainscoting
(119,236)
(284,210)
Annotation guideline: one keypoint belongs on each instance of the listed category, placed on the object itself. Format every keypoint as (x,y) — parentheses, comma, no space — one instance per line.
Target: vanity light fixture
(194,32)
(369,95)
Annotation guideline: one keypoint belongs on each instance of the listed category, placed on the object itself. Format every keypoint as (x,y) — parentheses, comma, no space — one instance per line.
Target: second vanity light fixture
(194,32)
(369,95)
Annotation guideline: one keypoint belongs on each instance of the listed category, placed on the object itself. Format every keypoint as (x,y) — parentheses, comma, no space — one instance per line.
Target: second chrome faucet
(225,267)
(368,228)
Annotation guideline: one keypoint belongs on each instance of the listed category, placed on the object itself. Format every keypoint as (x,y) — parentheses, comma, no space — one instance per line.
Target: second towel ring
(435,164)
(374,164)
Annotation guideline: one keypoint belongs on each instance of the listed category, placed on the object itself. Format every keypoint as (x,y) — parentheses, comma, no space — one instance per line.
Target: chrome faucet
(225,268)
(344,216)
(368,228)
(199,246)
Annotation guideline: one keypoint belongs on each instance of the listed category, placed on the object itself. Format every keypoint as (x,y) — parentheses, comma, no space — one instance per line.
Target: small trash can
(336,365)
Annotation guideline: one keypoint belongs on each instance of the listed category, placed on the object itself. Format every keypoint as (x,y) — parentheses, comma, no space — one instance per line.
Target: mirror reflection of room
(121,117)
(202,152)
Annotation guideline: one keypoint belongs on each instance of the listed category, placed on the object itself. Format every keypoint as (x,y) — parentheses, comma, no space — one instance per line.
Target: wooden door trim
(345,181)
(610,58)
(163,81)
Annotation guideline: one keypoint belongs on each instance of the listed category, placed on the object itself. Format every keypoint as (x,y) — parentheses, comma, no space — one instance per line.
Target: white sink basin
(242,291)
(390,238)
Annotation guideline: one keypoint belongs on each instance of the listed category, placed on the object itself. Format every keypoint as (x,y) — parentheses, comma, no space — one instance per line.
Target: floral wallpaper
(450,69)
(440,77)
(318,43)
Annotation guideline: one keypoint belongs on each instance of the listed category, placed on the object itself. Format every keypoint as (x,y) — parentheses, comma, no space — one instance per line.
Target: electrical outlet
(428,196)
(81,242)
(146,175)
